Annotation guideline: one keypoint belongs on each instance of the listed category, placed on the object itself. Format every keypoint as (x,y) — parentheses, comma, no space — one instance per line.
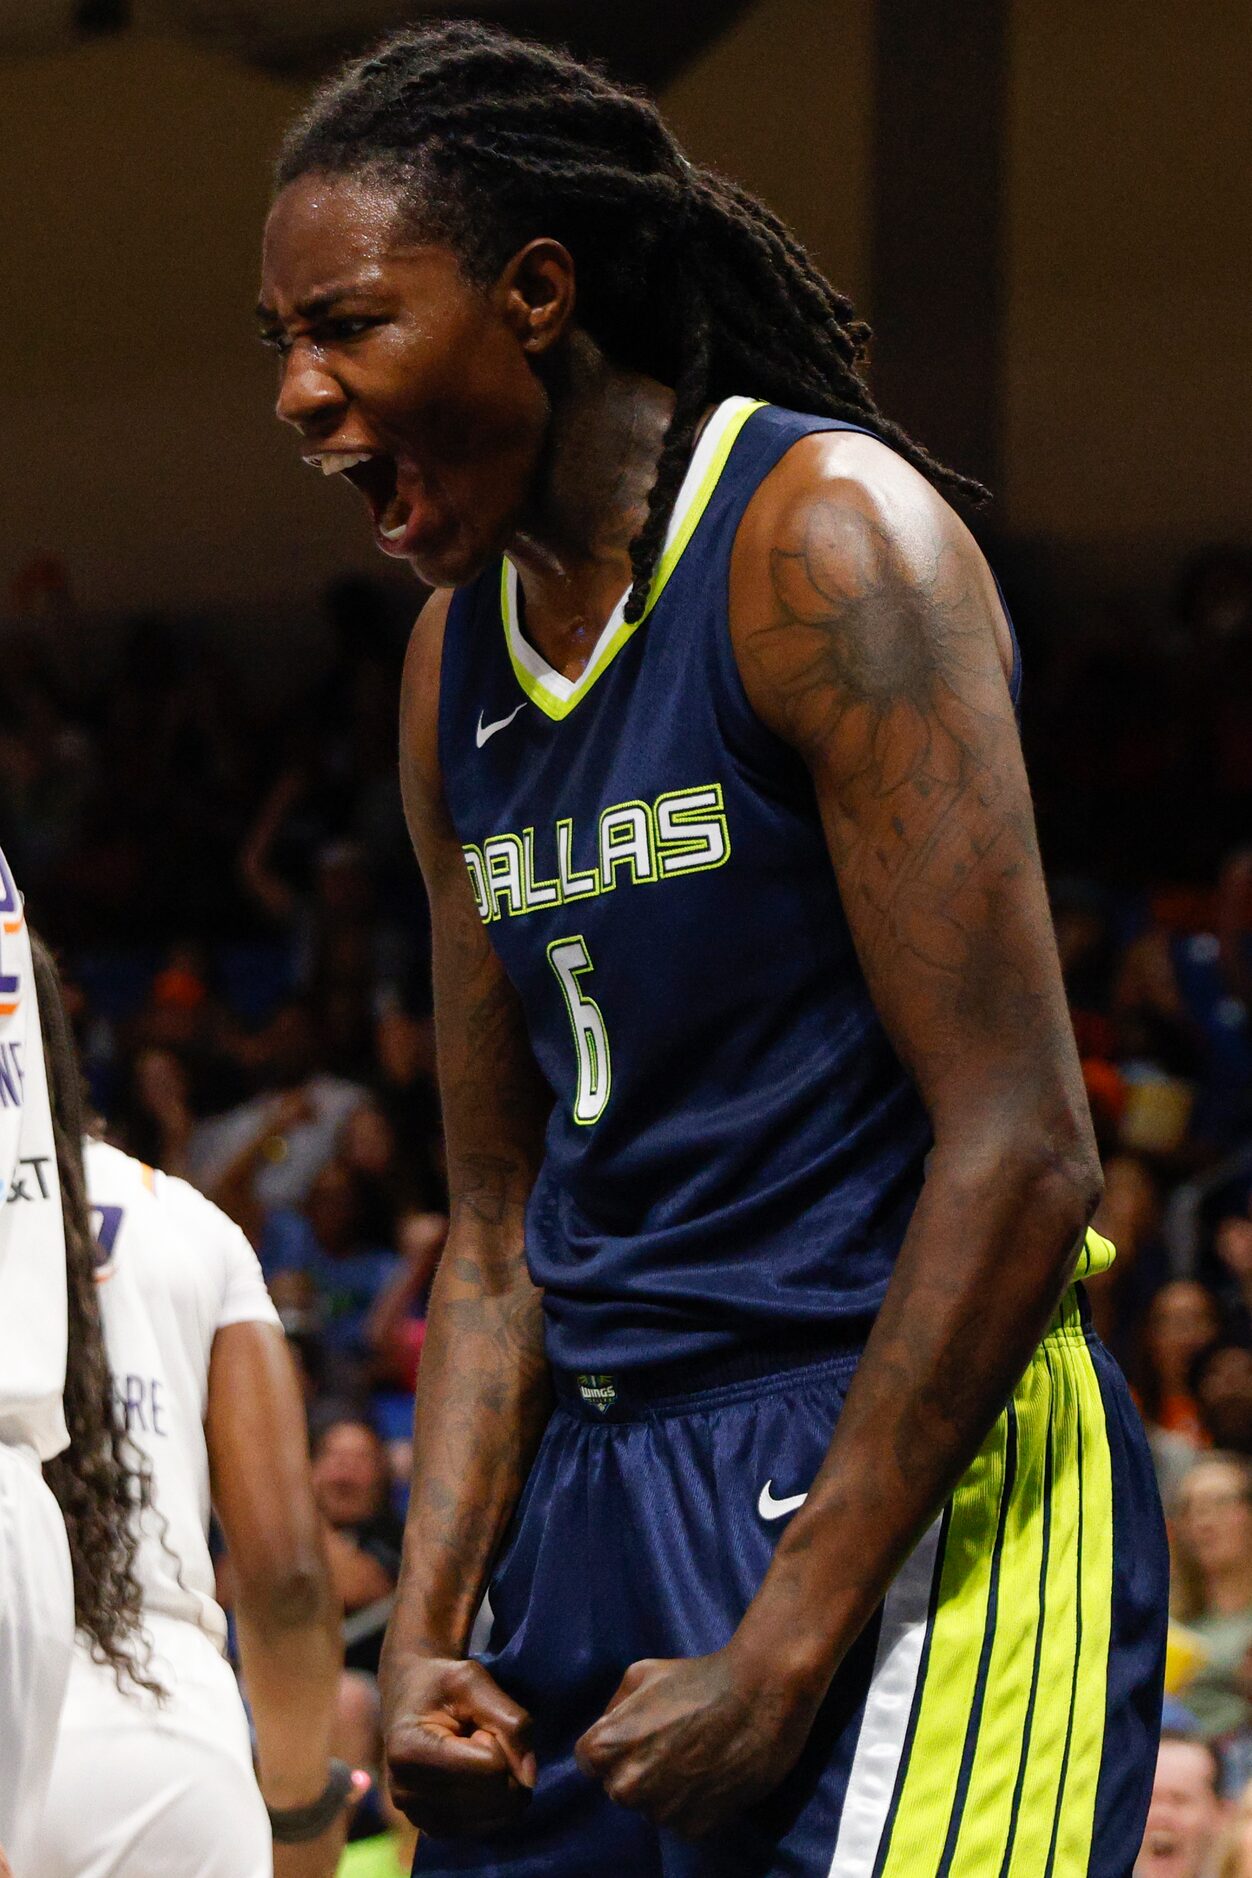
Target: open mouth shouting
(399,526)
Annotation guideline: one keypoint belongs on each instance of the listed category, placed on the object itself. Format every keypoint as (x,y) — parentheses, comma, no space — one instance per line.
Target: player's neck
(572,551)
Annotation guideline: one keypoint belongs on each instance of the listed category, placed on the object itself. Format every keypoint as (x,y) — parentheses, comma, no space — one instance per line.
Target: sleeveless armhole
(773,433)
(1015,676)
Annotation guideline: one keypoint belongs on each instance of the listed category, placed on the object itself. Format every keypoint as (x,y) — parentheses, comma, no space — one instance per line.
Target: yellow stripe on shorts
(1007,1735)
(1058,1638)
(1010,1694)
(1076,1811)
(950,1688)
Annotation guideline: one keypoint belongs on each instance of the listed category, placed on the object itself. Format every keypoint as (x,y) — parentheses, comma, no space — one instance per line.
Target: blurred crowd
(244,934)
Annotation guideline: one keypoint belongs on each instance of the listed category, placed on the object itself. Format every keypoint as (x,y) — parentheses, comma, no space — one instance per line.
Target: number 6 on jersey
(569,959)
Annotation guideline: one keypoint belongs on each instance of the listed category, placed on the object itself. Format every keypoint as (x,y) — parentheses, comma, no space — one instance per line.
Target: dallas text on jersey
(684,831)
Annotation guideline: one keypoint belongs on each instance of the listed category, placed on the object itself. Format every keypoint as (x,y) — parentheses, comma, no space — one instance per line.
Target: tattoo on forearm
(485,1393)
(493,1099)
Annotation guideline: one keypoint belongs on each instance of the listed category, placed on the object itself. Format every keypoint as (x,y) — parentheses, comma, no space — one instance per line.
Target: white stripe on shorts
(897,1662)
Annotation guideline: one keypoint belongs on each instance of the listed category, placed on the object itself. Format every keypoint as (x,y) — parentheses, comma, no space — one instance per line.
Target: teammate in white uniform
(202,1373)
(36,1584)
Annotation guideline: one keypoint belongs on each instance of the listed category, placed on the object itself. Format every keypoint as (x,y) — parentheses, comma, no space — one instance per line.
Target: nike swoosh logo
(770,1508)
(489,730)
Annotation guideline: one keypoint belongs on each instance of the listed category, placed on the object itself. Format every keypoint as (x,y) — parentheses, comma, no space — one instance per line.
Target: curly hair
(100,1494)
(490,141)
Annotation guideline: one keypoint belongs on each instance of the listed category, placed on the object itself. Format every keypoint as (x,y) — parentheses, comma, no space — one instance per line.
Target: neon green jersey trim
(556,697)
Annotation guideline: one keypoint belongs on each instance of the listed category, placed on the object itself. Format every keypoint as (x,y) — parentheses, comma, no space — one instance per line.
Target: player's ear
(536,293)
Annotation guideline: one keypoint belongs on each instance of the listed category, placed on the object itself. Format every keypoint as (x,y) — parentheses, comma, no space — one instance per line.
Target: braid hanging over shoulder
(490,141)
(100,1481)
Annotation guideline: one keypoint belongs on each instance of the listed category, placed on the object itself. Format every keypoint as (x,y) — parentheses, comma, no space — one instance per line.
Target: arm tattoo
(485,1395)
(877,661)
(889,683)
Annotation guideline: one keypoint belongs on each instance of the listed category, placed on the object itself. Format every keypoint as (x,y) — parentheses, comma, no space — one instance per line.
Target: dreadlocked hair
(490,141)
(100,1496)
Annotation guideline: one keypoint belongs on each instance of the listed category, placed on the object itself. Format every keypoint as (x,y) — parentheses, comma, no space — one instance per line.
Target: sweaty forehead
(323,232)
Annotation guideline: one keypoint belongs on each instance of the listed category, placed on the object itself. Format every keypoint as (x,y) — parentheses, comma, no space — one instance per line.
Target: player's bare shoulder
(421,783)
(419,688)
(853,582)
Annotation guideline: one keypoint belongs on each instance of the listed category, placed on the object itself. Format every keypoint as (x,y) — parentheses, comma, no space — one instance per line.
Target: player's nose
(309,396)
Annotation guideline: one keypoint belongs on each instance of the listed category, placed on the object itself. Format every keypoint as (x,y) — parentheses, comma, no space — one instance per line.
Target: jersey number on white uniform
(107,1221)
(570,959)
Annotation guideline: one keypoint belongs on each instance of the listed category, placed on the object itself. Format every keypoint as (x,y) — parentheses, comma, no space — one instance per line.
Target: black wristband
(293,1825)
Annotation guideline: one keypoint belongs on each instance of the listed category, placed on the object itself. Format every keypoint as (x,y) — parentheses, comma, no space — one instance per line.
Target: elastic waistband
(626,1395)
(678,1387)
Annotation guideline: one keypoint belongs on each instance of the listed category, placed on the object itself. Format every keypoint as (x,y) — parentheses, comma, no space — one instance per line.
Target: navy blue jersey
(735,1149)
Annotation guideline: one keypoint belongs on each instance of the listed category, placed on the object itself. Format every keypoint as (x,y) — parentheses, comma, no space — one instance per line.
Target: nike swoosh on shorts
(770,1508)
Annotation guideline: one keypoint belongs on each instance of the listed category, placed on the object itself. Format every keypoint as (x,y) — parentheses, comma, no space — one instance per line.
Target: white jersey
(36,1646)
(32,1237)
(154,1790)
(175,1271)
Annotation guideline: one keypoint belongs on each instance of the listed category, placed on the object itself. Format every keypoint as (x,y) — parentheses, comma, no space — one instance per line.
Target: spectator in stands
(1236,1857)
(334,928)
(392,1184)
(404,1049)
(1182,1318)
(351,1484)
(1146,987)
(1082,921)
(1213,1585)
(175,750)
(326,1240)
(1236,1746)
(267,1153)
(1129,1215)
(1232,1241)
(1186,1816)
(342,1001)
(1220,1382)
(299,1326)
(1182,1006)
(153,1119)
(183,1014)
(396,1326)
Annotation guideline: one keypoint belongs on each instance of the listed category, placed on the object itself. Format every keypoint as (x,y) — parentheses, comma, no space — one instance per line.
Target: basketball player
(164,1785)
(66,1546)
(821,1534)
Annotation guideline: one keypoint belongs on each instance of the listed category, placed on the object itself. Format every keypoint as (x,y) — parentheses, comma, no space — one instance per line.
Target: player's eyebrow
(311,308)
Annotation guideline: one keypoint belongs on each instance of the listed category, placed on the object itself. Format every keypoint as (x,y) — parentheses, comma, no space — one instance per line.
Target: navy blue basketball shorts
(997,1719)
